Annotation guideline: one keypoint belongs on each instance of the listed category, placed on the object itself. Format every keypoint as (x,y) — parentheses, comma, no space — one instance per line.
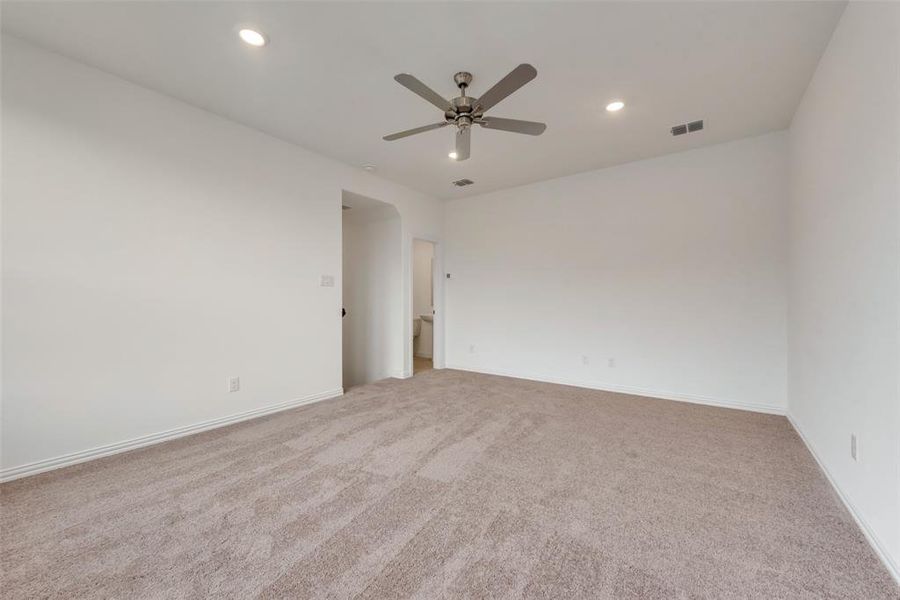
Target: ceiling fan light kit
(464,111)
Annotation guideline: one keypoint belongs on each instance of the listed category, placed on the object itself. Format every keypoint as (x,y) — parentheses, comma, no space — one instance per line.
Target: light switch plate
(327,281)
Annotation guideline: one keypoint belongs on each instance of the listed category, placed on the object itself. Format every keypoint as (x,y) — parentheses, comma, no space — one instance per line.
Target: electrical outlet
(233,384)
(611,363)
(472,349)
(585,360)
(327,281)
(853,447)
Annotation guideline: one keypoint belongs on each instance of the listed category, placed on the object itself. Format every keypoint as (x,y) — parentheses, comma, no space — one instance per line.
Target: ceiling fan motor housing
(462,116)
(463,106)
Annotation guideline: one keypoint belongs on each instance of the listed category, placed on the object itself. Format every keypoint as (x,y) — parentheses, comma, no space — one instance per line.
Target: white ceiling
(325,81)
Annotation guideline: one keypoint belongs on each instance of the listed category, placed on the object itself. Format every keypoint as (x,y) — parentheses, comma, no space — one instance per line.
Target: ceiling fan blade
(514,125)
(417,87)
(506,86)
(409,132)
(463,142)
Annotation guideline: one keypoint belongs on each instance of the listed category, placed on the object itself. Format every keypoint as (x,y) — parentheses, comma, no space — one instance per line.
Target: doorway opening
(371,290)
(423,306)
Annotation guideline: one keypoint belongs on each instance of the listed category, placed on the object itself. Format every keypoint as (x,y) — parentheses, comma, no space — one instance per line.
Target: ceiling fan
(464,111)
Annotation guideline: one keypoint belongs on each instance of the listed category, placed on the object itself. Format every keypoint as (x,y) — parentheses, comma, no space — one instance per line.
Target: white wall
(150,249)
(372,295)
(423,255)
(844,299)
(674,267)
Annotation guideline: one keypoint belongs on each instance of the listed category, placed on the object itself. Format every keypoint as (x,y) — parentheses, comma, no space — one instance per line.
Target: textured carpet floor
(451,485)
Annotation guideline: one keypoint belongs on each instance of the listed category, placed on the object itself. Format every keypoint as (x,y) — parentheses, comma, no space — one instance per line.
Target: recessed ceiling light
(368,168)
(252,37)
(452,155)
(615,106)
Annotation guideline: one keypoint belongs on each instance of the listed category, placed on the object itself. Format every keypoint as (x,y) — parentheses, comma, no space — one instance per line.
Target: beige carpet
(448,485)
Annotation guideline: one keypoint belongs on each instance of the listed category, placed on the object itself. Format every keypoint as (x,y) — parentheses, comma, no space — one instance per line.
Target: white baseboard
(74,458)
(871,537)
(771,409)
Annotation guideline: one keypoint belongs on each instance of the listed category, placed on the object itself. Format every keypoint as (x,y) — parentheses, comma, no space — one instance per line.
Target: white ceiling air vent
(687,127)
(463,182)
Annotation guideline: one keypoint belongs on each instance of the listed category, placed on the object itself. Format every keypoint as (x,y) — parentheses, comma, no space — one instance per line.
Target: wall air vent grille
(687,128)
(463,182)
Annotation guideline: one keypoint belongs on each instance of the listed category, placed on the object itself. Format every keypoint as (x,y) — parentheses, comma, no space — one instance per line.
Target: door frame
(437,278)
